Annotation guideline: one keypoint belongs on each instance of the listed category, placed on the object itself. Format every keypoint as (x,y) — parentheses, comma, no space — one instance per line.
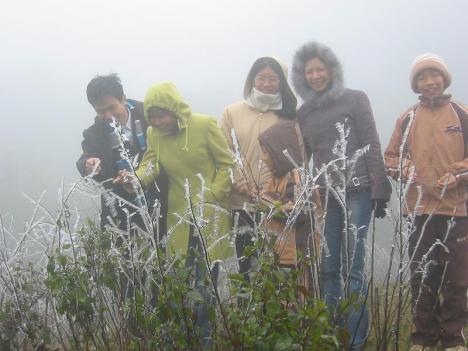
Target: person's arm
(459,169)
(392,153)
(227,127)
(90,158)
(219,150)
(225,124)
(148,170)
(367,132)
(305,146)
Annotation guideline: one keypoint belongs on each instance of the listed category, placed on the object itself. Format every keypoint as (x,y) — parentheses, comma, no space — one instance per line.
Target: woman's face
(267,81)
(166,122)
(317,75)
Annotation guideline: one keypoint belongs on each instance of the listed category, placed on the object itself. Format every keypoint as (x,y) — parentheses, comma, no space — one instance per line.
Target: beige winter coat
(247,123)
(435,146)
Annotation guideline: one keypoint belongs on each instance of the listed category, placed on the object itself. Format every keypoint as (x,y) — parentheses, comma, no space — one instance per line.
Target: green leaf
(284,343)
(211,312)
(195,295)
(51,267)
(273,308)
(62,260)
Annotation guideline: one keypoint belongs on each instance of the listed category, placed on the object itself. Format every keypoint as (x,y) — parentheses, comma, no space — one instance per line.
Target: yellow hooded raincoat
(198,155)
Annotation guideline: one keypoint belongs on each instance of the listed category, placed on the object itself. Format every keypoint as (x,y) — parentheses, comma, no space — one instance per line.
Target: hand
(126,180)
(379,206)
(93,164)
(406,170)
(448,179)
(393,172)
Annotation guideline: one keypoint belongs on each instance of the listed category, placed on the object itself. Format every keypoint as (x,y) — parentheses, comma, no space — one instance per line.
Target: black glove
(379,208)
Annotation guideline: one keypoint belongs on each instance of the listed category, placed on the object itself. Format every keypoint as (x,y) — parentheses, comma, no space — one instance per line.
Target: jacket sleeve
(219,150)
(460,168)
(367,132)
(90,150)
(226,126)
(306,148)
(148,169)
(392,152)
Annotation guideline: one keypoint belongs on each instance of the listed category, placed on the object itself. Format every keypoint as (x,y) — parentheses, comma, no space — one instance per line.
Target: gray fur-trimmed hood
(310,51)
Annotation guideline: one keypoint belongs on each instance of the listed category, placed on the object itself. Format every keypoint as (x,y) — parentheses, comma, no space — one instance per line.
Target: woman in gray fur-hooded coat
(361,184)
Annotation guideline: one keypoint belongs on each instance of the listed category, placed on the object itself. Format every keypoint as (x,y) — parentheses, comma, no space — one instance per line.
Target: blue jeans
(343,260)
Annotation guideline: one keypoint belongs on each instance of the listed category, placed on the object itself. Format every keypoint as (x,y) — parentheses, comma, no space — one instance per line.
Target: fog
(51,49)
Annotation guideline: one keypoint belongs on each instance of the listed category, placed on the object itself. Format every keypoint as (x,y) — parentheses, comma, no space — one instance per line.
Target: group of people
(214,178)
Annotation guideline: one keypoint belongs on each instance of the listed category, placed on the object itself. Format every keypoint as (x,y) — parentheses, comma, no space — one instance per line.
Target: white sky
(51,49)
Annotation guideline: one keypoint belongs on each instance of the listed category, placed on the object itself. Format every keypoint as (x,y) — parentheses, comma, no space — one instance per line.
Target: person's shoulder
(93,129)
(306,111)
(135,104)
(202,119)
(136,108)
(406,113)
(300,111)
(355,94)
(236,107)
(461,105)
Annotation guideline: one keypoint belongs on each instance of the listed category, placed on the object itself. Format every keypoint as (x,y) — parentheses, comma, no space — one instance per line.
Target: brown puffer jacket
(282,136)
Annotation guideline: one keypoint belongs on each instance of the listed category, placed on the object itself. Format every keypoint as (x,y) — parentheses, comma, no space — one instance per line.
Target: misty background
(50,50)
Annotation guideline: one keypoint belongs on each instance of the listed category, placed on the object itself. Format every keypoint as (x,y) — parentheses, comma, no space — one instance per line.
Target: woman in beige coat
(268,99)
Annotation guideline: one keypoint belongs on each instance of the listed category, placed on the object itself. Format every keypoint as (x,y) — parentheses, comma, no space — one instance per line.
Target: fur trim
(310,51)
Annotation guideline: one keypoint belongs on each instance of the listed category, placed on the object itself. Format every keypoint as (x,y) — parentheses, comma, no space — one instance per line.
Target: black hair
(101,86)
(288,98)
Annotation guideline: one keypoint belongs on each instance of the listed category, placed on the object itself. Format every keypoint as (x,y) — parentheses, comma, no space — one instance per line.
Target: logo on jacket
(453,129)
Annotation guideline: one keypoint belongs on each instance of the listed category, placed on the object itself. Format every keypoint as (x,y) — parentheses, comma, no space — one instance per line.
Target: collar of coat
(435,102)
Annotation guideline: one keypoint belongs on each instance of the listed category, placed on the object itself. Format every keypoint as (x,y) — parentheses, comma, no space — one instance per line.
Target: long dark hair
(288,98)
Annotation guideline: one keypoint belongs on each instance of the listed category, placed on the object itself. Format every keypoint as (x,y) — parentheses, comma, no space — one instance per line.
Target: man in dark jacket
(118,139)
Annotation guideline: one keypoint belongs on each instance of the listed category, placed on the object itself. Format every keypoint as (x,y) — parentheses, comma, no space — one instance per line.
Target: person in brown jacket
(428,152)
(293,210)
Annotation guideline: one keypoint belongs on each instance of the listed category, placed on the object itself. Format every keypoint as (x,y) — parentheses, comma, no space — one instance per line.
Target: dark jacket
(96,143)
(318,118)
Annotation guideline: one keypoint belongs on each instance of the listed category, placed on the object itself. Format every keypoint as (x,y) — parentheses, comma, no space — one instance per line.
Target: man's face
(165,122)
(108,107)
(430,83)
(317,75)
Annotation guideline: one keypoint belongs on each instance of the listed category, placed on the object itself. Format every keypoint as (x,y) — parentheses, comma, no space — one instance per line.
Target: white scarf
(264,102)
